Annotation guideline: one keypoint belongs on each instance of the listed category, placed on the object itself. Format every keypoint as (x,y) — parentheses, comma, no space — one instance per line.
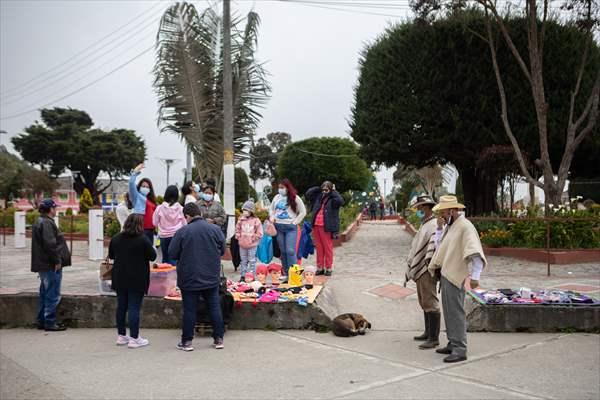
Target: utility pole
(228,168)
(167,162)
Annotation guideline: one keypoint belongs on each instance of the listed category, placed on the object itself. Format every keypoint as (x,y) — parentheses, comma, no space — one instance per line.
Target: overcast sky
(311,53)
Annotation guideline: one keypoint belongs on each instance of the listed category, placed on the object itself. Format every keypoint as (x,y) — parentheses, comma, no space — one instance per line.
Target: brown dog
(350,324)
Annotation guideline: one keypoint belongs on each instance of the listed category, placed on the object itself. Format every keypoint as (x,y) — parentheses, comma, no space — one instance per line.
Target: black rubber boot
(434,332)
(425,334)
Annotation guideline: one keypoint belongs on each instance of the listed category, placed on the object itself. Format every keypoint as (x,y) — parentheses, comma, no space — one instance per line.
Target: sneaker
(328,272)
(139,342)
(320,272)
(122,340)
(187,346)
(218,343)
(55,328)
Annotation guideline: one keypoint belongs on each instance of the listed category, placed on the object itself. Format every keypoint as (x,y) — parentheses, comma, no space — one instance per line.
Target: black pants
(129,302)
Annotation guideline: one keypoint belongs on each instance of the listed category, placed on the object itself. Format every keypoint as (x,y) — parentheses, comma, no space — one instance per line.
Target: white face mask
(282,192)
(246,213)
(145,190)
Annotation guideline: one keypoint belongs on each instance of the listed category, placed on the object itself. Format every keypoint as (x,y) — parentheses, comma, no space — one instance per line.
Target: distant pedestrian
(123,210)
(391,211)
(191,191)
(168,218)
(49,254)
(458,255)
(325,202)
(381,209)
(248,232)
(373,210)
(197,248)
(287,212)
(210,209)
(144,200)
(130,278)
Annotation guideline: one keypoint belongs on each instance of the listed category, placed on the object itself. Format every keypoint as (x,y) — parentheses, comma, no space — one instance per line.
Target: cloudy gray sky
(311,53)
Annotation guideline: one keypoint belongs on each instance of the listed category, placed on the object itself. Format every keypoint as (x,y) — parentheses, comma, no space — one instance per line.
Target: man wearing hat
(458,254)
(421,252)
(49,254)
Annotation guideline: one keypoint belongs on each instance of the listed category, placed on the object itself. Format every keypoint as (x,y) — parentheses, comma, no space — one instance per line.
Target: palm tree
(429,177)
(188,81)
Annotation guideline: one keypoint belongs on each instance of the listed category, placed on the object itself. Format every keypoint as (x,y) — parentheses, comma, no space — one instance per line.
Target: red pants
(324,245)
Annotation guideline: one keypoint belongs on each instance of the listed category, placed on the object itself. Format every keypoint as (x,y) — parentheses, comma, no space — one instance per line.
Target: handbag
(106,267)
(269,228)
(264,252)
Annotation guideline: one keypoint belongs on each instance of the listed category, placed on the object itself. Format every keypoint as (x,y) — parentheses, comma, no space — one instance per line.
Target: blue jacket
(331,213)
(137,199)
(306,247)
(198,248)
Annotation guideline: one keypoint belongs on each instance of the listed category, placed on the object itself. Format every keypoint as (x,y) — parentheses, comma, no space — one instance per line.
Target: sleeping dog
(350,324)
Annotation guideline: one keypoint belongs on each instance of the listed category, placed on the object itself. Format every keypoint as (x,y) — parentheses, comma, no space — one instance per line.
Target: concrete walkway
(385,363)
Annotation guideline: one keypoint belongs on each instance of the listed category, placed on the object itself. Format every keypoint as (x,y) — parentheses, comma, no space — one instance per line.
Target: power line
(26,83)
(83,87)
(65,73)
(314,5)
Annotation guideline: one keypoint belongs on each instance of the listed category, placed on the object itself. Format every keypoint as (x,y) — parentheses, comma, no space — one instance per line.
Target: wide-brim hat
(447,202)
(424,200)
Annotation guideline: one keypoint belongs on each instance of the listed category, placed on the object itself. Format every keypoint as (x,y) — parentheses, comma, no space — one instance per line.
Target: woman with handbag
(287,212)
(131,253)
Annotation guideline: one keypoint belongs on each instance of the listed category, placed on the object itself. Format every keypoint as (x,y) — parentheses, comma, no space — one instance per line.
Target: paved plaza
(385,363)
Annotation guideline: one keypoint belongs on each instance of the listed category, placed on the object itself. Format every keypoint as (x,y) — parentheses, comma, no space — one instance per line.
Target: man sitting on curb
(458,252)
(198,248)
(49,254)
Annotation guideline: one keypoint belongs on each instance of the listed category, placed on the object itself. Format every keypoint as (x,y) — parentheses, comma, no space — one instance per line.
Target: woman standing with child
(168,217)
(248,232)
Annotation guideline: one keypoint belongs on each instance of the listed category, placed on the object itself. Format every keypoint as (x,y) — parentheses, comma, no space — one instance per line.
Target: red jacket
(150,207)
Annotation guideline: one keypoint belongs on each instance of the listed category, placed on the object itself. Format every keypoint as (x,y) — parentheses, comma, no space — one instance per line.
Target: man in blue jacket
(198,248)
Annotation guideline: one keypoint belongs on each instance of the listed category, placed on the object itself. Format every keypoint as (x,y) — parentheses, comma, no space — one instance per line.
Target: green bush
(496,238)
(80,223)
(111,224)
(348,214)
(7,217)
(85,201)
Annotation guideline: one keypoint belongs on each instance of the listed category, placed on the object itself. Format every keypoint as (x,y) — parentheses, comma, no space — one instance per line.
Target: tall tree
(264,154)
(66,141)
(188,81)
(582,104)
(310,162)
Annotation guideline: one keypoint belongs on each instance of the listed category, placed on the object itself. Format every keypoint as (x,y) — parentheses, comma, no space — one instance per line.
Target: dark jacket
(332,204)
(132,254)
(198,248)
(48,246)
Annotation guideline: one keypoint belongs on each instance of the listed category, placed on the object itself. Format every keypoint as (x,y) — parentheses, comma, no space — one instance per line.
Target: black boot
(425,334)
(434,332)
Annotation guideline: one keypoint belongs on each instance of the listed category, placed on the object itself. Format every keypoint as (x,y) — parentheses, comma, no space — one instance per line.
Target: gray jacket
(48,246)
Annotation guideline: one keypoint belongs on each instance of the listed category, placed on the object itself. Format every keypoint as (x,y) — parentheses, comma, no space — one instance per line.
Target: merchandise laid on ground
(299,288)
(526,296)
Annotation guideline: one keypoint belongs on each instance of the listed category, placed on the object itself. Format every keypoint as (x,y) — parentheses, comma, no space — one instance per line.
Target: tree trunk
(531,194)
(480,192)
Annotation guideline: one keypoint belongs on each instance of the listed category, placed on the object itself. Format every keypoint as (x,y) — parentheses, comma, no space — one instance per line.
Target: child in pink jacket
(168,218)
(248,232)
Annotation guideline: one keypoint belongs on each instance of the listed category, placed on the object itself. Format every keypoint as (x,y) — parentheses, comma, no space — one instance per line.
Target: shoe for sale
(123,340)
(453,358)
(55,328)
(139,342)
(444,350)
(187,346)
(218,343)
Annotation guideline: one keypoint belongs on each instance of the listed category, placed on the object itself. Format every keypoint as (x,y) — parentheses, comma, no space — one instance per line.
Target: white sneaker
(139,342)
(123,340)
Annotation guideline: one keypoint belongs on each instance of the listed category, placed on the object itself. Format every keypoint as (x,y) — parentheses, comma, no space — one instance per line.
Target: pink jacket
(168,219)
(248,231)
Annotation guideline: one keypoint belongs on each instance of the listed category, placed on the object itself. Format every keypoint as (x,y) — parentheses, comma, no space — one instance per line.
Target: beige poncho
(421,250)
(459,243)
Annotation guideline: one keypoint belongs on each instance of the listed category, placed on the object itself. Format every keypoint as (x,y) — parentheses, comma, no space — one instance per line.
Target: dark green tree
(264,154)
(310,162)
(242,186)
(426,94)
(66,141)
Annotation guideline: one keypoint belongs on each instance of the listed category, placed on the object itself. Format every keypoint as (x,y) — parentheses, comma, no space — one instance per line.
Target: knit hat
(249,206)
(275,267)
(262,269)
(310,268)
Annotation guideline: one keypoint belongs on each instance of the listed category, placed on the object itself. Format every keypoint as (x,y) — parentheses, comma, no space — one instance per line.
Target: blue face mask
(144,191)
(420,214)
(196,188)
(206,196)
(282,192)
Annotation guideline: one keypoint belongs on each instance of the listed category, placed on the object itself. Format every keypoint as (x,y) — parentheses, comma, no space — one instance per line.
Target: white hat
(447,202)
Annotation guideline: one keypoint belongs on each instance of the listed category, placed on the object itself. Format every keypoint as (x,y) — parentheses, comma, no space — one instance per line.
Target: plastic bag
(264,252)
(269,228)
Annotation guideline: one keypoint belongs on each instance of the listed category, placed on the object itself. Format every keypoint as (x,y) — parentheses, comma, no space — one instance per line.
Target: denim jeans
(164,248)
(247,260)
(287,234)
(149,233)
(189,300)
(49,297)
(129,302)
